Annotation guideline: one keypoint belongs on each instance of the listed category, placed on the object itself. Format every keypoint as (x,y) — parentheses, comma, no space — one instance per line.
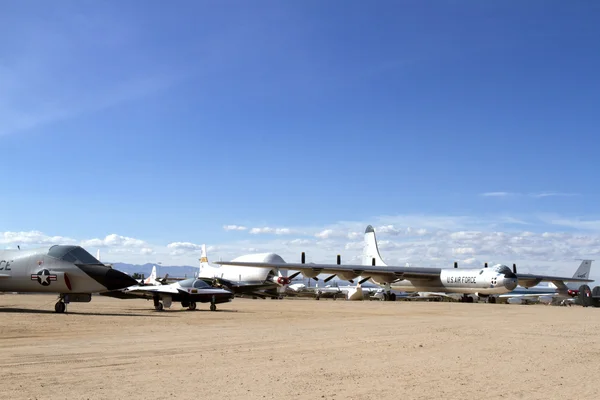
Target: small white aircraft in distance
(256,282)
(481,282)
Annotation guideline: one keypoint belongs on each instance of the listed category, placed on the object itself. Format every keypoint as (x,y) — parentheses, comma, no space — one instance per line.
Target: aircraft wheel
(213,307)
(317,298)
(185,304)
(192,306)
(334,297)
(492,300)
(392,296)
(159,307)
(60,307)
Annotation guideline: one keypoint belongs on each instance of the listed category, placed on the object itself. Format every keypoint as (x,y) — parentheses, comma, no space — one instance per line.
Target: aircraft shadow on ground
(197,310)
(97,314)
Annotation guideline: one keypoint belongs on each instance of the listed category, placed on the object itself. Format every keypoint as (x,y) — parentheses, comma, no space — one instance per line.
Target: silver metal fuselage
(19,270)
(453,280)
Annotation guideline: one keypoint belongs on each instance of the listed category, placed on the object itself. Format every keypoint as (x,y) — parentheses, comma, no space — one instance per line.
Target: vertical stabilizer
(204,266)
(371,251)
(583,272)
(151,280)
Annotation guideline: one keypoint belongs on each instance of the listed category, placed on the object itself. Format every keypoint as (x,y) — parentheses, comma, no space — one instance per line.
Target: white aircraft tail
(371,251)
(152,278)
(583,272)
(98,254)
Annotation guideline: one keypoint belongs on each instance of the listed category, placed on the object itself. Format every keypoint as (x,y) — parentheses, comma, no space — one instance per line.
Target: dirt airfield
(280,349)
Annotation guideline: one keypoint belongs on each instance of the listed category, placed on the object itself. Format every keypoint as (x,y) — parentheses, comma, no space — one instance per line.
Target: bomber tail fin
(371,251)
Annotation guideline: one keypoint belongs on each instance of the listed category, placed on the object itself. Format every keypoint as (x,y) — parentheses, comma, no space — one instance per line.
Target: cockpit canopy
(194,283)
(503,269)
(72,254)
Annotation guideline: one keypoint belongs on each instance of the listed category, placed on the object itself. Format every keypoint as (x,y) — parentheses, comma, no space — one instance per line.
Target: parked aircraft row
(469,283)
(75,274)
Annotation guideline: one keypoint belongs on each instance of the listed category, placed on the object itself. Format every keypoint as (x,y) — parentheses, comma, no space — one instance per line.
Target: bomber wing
(312,269)
(530,280)
(4,276)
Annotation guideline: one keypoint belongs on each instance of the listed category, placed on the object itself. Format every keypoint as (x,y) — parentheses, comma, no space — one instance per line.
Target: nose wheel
(192,306)
(60,307)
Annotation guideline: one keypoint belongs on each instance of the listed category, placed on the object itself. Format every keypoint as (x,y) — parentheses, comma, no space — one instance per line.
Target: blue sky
(164,124)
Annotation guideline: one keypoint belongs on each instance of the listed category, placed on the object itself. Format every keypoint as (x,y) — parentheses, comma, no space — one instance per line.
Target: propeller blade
(485,265)
(455,264)
(292,276)
(364,280)
(515,268)
(303,258)
(339,259)
(373,261)
(315,278)
(329,278)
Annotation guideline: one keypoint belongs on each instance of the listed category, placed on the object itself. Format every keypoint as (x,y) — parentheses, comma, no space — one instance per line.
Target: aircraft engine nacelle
(514,300)
(573,292)
(310,273)
(545,299)
(348,276)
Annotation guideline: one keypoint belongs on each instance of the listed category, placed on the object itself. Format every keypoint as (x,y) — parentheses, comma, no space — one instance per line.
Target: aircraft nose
(510,283)
(110,278)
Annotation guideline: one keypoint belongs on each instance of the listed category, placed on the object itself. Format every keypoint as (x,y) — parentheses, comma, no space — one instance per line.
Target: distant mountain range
(175,271)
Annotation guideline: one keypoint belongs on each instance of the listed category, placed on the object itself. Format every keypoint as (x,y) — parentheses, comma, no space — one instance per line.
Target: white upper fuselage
(458,280)
(243,274)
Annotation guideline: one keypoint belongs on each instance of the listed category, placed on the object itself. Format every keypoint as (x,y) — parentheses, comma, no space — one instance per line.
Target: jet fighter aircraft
(188,292)
(70,271)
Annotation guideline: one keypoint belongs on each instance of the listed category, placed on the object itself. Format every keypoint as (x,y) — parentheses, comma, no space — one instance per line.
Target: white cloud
(298,242)
(114,240)
(32,238)
(268,230)
(538,195)
(496,194)
(234,228)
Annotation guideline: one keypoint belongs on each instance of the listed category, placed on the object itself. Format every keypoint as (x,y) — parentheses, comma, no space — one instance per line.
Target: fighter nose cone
(510,283)
(110,278)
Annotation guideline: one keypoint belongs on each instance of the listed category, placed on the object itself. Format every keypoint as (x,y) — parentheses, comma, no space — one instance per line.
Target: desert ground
(306,349)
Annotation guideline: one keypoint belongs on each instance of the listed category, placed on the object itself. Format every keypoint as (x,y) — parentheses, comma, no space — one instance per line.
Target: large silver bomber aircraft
(481,282)
(70,271)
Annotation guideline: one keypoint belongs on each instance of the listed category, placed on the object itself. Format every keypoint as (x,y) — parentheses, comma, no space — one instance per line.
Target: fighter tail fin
(152,278)
(371,251)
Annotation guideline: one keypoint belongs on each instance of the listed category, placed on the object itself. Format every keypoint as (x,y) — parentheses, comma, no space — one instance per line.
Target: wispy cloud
(496,194)
(272,231)
(534,195)
(234,228)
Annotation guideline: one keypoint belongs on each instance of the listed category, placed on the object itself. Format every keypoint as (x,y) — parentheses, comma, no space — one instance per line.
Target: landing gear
(466,299)
(158,306)
(60,307)
(185,304)
(192,306)
(213,305)
(388,296)
(491,300)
